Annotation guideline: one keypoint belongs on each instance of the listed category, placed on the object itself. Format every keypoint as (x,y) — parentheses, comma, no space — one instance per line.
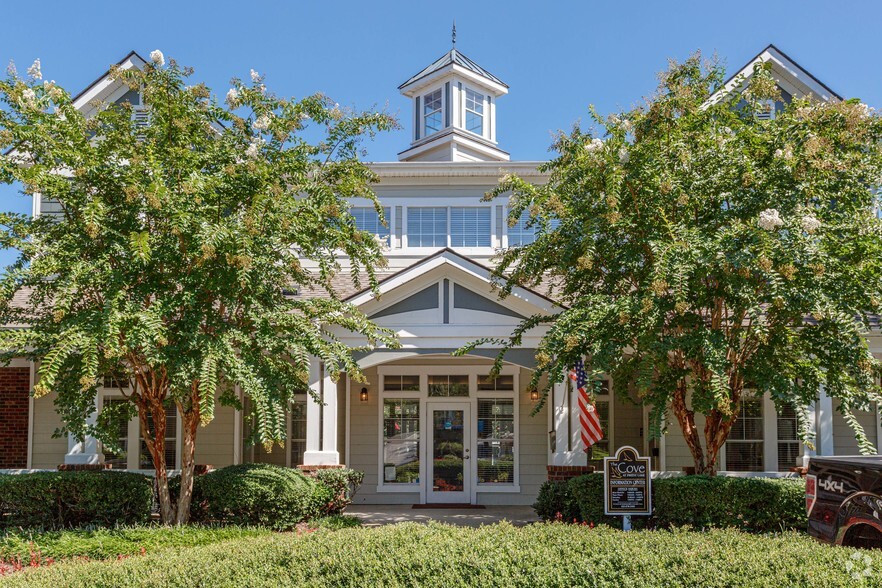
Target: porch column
(770,434)
(321,418)
(565,432)
(84,452)
(879,428)
(807,453)
(825,423)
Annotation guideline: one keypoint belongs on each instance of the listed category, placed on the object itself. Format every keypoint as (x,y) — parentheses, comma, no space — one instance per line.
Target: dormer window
(474,105)
(432,112)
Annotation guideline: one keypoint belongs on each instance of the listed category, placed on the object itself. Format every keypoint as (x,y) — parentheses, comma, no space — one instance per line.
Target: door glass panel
(448,466)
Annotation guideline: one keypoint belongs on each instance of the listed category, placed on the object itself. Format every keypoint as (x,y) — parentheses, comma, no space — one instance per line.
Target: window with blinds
(496,441)
(744,448)
(297,442)
(401,441)
(427,226)
(788,437)
(470,226)
(117,457)
(367,219)
(448,385)
(171,439)
(601,449)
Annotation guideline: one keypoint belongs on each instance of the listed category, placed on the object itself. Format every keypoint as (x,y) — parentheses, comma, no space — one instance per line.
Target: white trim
(32,380)
(879,428)
(347,431)
(237,430)
(423,371)
(825,424)
(770,434)
(469,443)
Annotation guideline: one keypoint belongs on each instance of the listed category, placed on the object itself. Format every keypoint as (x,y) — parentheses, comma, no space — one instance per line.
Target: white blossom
(10,69)
(262,123)
(624,156)
(255,77)
(786,153)
(382,242)
(865,110)
(594,145)
(810,224)
(28,97)
(34,70)
(254,147)
(769,219)
(627,125)
(157,57)
(233,97)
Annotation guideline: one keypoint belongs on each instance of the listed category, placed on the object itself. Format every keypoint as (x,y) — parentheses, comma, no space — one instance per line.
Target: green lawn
(497,555)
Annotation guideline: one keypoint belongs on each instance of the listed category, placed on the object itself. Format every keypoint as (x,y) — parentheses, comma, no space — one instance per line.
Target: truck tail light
(811,492)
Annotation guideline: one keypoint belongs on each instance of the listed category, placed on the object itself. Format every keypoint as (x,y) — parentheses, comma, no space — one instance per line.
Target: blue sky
(557,56)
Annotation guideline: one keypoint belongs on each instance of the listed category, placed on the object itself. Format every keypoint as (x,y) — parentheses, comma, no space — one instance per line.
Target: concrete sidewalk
(375,515)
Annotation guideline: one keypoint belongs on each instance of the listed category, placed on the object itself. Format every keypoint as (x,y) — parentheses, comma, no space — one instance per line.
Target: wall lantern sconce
(534,394)
(364,396)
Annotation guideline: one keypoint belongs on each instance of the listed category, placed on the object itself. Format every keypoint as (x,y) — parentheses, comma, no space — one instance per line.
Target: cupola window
(474,111)
(432,112)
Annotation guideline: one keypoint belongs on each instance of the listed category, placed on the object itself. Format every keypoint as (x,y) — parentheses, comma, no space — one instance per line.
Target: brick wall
(563,473)
(15,387)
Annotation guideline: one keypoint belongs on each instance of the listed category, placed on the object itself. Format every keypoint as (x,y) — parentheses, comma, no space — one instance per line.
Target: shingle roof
(457,58)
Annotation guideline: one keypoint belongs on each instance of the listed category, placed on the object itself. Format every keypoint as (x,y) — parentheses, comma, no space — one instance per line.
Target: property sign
(627,483)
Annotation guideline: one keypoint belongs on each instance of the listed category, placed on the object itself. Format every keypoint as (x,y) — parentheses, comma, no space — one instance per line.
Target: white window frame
(467,110)
(423,371)
(769,428)
(406,229)
(424,115)
(133,458)
(490,236)
(387,212)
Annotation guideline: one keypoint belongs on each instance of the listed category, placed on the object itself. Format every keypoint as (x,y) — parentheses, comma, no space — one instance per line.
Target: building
(429,427)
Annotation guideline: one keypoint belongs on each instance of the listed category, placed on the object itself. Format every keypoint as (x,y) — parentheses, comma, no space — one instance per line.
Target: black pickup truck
(843,496)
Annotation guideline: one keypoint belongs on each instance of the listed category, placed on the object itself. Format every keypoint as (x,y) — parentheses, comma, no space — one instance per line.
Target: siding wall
(844,442)
(48,453)
(214,442)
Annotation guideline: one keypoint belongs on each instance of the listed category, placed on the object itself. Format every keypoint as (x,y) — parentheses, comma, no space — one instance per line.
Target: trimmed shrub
(343,483)
(258,494)
(52,500)
(751,504)
(555,502)
(412,554)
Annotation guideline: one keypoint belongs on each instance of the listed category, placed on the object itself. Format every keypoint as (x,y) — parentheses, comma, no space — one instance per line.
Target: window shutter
(141,118)
(769,113)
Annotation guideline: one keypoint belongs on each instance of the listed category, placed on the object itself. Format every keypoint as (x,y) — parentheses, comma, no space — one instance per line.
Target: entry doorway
(449,477)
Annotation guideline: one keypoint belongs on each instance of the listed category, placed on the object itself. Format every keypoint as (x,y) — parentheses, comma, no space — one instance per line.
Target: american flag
(588,417)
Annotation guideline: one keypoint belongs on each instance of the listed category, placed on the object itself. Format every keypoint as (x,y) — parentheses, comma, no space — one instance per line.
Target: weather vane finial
(453,36)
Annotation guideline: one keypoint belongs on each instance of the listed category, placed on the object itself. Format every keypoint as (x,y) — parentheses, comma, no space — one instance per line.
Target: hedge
(259,494)
(343,483)
(52,500)
(495,555)
(750,504)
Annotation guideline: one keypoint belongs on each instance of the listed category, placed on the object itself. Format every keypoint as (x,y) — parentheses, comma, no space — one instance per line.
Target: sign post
(627,485)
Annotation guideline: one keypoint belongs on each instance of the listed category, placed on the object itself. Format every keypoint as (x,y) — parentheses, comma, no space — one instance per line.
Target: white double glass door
(449,465)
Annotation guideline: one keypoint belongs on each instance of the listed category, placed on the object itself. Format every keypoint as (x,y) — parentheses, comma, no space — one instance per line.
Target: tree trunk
(686,419)
(190,422)
(155,442)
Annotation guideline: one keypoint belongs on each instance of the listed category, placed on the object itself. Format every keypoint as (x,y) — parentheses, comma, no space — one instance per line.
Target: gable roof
(453,57)
(783,65)
(101,78)
(451,257)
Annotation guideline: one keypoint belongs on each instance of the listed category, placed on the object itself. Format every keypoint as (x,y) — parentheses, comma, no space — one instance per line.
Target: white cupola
(454,111)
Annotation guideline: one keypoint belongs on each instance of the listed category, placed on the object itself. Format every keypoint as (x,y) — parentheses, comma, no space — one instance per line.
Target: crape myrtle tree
(172,263)
(704,252)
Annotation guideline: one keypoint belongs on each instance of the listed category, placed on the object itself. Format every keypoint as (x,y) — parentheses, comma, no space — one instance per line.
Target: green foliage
(178,243)
(111,543)
(700,251)
(259,494)
(343,483)
(50,500)
(335,522)
(749,504)
(553,555)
